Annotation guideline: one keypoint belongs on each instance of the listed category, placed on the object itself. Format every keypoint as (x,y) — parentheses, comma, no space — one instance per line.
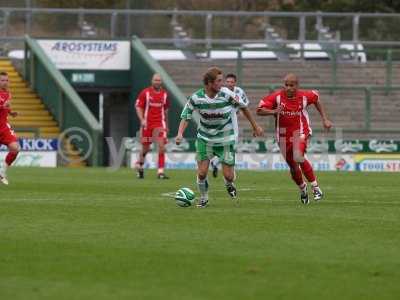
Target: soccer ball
(184,197)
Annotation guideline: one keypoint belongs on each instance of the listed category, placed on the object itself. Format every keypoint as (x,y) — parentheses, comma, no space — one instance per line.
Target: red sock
(11,156)
(297,176)
(161,160)
(295,170)
(308,171)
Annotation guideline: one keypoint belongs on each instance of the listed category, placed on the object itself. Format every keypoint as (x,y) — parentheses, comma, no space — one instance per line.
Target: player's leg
(296,173)
(214,165)
(146,138)
(226,155)
(229,179)
(161,142)
(13,150)
(308,171)
(203,155)
(202,182)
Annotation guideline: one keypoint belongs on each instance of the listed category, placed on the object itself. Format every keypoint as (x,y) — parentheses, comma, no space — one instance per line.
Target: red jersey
(5,96)
(294,116)
(154,103)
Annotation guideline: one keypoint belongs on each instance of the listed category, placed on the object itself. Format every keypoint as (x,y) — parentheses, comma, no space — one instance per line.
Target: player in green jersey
(216,134)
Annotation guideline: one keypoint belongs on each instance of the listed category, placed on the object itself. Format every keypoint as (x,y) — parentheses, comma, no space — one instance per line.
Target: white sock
(302,186)
(314,183)
(202,185)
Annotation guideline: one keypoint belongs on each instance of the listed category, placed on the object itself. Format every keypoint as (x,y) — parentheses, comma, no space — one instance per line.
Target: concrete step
(35,118)
(24,113)
(32,123)
(17,85)
(27,106)
(25,101)
(28,94)
(21,90)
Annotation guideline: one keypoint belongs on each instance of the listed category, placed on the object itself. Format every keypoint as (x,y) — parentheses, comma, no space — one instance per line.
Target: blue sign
(35,145)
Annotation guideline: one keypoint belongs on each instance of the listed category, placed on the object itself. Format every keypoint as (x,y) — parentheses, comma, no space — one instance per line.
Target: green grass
(97,234)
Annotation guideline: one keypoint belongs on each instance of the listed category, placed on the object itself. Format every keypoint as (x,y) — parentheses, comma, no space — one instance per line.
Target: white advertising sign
(252,161)
(34,159)
(378,162)
(173,160)
(88,54)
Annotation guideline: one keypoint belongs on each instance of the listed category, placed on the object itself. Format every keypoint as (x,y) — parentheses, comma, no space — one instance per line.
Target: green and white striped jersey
(216,125)
(242,95)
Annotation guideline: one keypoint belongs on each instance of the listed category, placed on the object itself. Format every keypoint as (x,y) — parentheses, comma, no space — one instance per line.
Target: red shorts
(7,136)
(293,147)
(153,134)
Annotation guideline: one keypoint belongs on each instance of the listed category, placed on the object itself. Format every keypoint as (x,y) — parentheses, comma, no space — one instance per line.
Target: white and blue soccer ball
(184,197)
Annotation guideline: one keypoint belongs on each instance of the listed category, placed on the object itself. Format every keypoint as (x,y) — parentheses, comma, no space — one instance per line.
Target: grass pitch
(96,234)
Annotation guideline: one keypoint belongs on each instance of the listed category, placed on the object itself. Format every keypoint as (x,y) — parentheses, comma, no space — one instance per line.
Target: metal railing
(208,28)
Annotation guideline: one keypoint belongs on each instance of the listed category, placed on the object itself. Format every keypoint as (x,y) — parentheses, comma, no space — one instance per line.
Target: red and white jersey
(5,97)
(154,103)
(294,115)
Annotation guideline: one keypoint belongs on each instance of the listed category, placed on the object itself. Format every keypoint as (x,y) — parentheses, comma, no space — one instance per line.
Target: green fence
(62,101)
(143,66)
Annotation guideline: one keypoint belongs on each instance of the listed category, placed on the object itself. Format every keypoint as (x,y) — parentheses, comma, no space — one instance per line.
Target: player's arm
(139,106)
(7,106)
(166,108)
(242,103)
(182,127)
(262,111)
(140,114)
(268,107)
(257,130)
(186,115)
(166,119)
(325,121)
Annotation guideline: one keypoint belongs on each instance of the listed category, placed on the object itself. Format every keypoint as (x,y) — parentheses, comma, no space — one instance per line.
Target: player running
(152,110)
(215,134)
(7,135)
(230,83)
(289,106)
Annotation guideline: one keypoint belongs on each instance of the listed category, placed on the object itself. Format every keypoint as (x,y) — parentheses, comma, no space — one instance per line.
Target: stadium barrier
(210,27)
(264,155)
(63,101)
(35,152)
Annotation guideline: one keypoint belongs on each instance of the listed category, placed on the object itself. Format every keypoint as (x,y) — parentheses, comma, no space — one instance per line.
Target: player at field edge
(7,135)
(152,110)
(293,131)
(230,83)
(215,133)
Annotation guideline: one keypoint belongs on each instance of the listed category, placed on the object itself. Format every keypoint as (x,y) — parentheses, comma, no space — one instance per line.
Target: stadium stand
(347,107)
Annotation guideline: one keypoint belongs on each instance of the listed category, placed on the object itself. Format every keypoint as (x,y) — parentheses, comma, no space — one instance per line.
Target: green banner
(270,146)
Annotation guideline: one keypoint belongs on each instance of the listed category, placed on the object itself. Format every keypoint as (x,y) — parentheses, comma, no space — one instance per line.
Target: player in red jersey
(7,135)
(289,106)
(152,110)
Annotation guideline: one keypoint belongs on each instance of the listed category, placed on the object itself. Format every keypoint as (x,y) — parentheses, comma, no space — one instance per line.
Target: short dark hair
(211,75)
(3,73)
(231,75)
